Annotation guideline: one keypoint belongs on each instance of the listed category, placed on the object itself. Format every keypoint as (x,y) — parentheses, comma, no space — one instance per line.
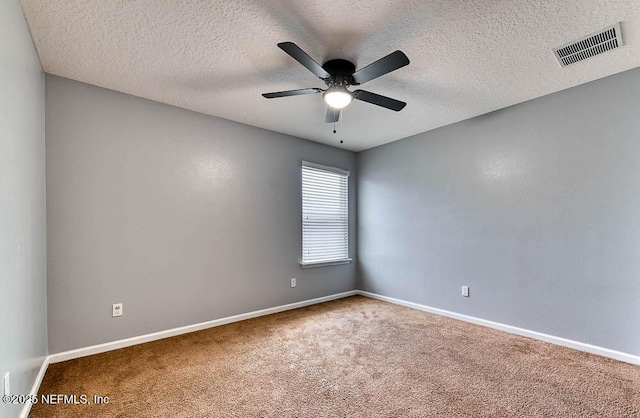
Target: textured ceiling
(217,57)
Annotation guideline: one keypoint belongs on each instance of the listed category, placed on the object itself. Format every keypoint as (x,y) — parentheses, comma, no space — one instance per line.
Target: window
(325,215)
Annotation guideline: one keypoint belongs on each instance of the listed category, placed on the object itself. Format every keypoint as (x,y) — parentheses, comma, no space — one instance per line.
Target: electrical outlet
(293,282)
(117,309)
(6,384)
(465,291)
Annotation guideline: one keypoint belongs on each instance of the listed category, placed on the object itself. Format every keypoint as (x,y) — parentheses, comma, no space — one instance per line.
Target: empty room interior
(320,209)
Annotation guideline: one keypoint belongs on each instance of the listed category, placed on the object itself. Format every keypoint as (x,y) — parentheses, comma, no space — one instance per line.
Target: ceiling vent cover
(602,41)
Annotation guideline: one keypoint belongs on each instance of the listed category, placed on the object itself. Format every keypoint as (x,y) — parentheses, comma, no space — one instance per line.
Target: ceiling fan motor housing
(341,72)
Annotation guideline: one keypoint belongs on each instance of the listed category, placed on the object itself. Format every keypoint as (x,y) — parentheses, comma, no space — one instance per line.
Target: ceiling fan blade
(376,99)
(291,93)
(333,115)
(381,67)
(304,59)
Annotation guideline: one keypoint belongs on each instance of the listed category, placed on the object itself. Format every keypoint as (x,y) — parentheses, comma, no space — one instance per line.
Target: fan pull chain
(341,129)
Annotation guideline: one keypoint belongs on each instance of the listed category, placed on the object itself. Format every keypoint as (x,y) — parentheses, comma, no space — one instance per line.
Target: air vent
(602,41)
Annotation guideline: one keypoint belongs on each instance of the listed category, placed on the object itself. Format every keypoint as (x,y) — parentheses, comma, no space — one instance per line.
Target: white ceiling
(217,57)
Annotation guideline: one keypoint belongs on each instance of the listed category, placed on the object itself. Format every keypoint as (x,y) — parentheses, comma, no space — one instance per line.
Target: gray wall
(536,207)
(23,332)
(183,217)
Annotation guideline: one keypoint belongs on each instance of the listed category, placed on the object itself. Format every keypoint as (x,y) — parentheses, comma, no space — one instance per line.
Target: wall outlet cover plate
(6,385)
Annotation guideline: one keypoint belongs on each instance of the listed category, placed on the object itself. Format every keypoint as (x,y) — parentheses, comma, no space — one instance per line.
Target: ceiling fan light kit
(337,97)
(338,75)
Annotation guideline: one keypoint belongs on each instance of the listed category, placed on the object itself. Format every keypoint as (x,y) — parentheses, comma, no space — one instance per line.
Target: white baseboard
(36,387)
(593,349)
(114,345)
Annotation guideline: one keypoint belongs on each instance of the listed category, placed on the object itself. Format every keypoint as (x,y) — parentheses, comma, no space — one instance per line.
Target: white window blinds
(325,214)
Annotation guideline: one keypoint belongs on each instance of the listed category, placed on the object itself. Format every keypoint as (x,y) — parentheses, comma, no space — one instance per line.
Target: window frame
(336,170)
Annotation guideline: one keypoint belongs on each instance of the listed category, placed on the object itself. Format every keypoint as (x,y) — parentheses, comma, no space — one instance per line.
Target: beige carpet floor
(354,357)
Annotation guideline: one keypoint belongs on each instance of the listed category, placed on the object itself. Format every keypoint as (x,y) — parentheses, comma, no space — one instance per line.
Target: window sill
(325,263)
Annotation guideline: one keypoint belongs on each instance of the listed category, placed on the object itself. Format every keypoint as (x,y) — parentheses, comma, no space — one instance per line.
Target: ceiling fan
(338,74)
